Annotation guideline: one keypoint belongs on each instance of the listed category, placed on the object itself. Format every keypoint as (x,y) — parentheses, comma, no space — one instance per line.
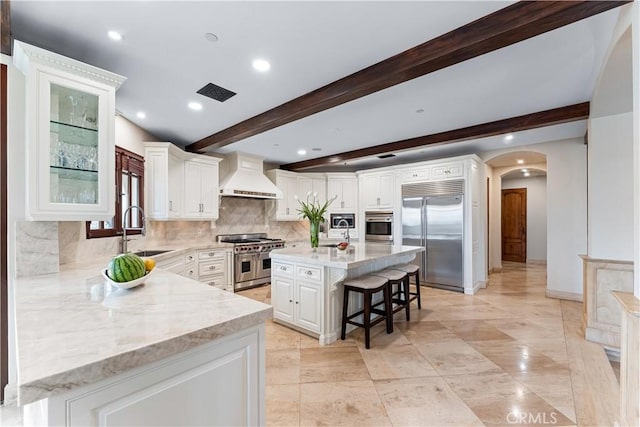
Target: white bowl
(126,285)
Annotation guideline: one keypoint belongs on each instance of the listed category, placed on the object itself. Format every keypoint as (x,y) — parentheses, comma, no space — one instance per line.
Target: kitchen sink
(151,252)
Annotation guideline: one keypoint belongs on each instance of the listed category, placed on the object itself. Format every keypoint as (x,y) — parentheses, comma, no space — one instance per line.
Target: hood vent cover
(245,178)
(216,92)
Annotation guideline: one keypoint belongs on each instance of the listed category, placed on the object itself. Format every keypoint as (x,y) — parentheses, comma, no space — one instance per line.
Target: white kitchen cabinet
(286,209)
(345,187)
(164,181)
(70,168)
(180,185)
(446,171)
(296,295)
(377,190)
(312,183)
(414,175)
(201,188)
(214,268)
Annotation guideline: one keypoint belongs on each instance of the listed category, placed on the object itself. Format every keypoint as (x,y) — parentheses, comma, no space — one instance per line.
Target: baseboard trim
(537,261)
(495,270)
(569,296)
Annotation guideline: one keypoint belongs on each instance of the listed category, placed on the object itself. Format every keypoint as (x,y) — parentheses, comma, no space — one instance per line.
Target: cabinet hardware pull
(170,205)
(308,273)
(212,253)
(290,300)
(212,267)
(297,302)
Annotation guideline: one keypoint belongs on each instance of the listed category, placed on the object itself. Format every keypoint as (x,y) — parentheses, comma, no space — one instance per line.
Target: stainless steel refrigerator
(432,217)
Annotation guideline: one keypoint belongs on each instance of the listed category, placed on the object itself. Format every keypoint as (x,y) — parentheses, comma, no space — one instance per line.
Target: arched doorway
(521,176)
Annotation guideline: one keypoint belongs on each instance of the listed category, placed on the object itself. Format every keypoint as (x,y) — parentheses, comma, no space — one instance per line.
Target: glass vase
(314,228)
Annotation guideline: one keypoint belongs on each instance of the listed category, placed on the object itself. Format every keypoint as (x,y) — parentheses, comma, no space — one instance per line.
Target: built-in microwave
(378,226)
(341,221)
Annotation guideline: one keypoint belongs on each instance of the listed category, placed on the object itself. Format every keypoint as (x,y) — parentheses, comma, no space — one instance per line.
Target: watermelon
(126,267)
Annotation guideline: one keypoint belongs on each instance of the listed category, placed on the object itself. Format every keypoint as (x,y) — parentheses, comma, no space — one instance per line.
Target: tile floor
(505,356)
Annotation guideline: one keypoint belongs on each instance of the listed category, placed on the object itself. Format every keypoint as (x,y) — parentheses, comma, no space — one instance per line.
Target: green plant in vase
(314,212)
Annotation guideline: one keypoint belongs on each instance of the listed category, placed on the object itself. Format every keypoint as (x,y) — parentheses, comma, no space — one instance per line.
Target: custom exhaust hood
(245,178)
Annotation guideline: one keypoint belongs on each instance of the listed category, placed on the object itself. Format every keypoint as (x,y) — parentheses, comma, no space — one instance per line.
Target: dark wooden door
(514,225)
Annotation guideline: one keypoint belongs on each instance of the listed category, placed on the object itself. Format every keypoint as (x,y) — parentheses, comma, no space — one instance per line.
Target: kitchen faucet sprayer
(124,226)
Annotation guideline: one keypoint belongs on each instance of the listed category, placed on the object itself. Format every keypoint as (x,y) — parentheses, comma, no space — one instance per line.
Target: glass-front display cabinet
(70,111)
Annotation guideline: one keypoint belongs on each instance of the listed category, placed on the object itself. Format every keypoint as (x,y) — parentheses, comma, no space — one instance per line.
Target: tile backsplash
(237,215)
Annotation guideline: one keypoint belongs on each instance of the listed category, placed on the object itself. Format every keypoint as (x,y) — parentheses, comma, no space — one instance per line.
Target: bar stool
(367,286)
(397,277)
(411,270)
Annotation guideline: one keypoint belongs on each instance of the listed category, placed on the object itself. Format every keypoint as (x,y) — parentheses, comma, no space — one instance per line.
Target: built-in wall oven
(378,227)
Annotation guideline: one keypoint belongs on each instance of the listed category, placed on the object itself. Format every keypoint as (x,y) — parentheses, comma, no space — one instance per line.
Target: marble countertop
(73,328)
(355,255)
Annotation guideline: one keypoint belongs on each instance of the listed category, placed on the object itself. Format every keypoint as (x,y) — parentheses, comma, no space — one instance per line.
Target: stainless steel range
(251,260)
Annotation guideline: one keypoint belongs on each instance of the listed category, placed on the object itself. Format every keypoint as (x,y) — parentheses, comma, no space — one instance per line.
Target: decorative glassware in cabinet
(74,146)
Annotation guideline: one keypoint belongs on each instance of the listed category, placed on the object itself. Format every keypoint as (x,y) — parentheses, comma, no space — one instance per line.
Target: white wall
(130,136)
(536,214)
(610,184)
(566,213)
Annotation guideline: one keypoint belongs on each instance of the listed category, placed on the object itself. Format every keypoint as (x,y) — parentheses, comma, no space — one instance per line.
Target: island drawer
(210,254)
(309,273)
(212,267)
(216,281)
(190,257)
(282,269)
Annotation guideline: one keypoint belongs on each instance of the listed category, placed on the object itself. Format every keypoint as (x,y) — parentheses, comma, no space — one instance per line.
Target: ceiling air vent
(386,156)
(216,92)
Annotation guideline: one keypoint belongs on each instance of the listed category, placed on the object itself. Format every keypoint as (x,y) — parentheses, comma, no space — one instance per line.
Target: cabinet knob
(190,258)
(290,300)
(297,302)
(191,272)
(308,272)
(212,253)
(212,267)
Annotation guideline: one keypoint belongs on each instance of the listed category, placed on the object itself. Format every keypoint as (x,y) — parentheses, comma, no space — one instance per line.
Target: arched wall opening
(500,167)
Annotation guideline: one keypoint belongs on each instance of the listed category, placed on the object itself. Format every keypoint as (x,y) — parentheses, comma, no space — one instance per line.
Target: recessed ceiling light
(302,152)
(520,161)
(508,137)
(211,37)
(527,174)
(141,115)
(261,65)
(195,106)
(114,35)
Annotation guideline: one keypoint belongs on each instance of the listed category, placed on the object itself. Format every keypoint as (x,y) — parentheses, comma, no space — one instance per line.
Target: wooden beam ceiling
(555,116)
(512,24)
(5,27)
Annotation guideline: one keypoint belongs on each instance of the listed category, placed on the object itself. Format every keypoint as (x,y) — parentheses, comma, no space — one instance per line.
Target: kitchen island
(172,351)
(306,284)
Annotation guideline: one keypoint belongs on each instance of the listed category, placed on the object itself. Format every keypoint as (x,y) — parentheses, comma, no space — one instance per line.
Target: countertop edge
(114,365)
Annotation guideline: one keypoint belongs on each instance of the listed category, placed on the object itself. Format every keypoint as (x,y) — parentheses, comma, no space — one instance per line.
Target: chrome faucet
(346,233)
(124,226)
